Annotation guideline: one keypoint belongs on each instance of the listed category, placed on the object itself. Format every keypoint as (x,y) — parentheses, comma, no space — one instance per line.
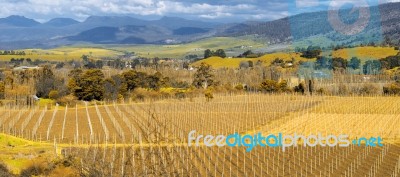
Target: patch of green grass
(10,141)
(18,153)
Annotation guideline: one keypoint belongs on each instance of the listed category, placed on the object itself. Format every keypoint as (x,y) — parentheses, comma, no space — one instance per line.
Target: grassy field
(232,46)
(18,153)
(64,54)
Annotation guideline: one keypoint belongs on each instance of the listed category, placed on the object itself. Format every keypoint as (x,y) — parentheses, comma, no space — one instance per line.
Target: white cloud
(206,9)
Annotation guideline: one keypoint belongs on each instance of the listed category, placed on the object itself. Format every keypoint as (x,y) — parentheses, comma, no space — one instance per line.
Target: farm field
(63,54)
(232,46)
(141,139)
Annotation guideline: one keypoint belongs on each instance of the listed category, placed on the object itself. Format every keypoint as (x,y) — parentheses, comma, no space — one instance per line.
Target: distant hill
(21,32)
(61,22)
(176,23)
(190,31)
(385,17)
(18,21)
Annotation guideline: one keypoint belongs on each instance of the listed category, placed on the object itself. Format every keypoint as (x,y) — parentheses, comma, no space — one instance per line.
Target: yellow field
(366,53)
(63,54)
(218,62)
(363,53)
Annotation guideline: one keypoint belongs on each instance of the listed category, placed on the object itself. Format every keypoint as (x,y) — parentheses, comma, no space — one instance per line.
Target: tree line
(12,52)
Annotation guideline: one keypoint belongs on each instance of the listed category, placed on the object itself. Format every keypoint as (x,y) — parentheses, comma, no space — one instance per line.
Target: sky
(205,10)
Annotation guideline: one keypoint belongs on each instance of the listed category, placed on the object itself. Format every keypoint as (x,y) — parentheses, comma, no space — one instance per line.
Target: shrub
(322,91)
(4,171)
(180,95)
(392,89)
(274,86)
(239,87)
(67,100)
(53,94)
(343,90)
(369,89)
(209,95)
(300,88)
(34,170)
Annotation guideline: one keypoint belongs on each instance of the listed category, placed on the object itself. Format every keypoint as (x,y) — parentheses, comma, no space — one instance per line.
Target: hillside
(217,62)
(384,18)
(366,53)
(363,53)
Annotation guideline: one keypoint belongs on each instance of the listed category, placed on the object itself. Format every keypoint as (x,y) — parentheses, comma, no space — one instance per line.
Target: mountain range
(22,32)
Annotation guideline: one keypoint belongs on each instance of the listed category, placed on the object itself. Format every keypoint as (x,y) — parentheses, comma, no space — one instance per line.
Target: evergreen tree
(203,76)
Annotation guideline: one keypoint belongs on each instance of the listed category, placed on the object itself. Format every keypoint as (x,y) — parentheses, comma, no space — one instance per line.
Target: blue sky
(215,10)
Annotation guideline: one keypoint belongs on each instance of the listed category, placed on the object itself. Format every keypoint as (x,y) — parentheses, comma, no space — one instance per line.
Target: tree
(85,59)
(53,94)
(99,64)
(110,92)
(2,89)
(354,63)
(245,54)
(339,63)
(372,67)
(131,80)
(92,85)
(203,76)
(208,53)
(311,52)
(390,62)
(155,81)
(75,77)
(220,53)
(300,88)
(115,88)
(323,62)
(44,82)
(270,86)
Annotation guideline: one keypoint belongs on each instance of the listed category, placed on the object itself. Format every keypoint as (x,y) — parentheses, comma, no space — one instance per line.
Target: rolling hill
(363,53)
